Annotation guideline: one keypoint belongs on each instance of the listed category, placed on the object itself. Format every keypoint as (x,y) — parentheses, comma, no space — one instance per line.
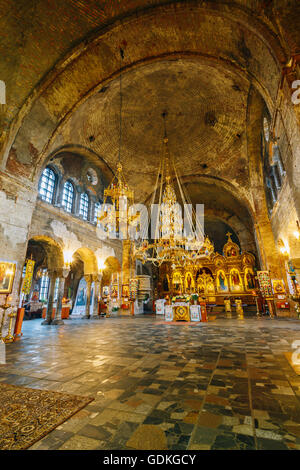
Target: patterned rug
(27,415)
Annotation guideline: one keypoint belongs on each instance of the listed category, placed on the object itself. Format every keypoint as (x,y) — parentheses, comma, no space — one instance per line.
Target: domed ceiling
(205,123)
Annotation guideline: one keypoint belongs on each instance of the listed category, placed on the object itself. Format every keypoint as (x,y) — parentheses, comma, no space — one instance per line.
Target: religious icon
(232,252)
(249,280)
(177,281)
(210,286)
(81,299)
(235,279)
(35,295)
(278,286)
(222,281)
(114,291)
(125,290)
(189,282)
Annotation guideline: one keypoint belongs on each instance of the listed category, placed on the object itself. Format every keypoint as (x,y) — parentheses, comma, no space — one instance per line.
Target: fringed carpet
(27,415)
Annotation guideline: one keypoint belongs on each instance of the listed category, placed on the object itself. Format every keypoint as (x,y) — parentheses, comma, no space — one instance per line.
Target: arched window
(277,176)
(68,196)
(97,211)
(266,127)
(278,160)
(84,206)
(47,185)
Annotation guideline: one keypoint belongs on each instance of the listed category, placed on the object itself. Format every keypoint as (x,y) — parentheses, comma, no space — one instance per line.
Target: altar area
(213,279)
(180,311)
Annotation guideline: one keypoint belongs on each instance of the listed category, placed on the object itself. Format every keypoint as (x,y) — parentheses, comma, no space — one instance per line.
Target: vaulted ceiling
(37,35)
(196,60)
(205,123)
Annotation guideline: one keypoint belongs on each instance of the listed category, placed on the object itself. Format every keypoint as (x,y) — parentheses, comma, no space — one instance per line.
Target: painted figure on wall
(232,252)
(222,281)
(278,286)
(249,280)
(189,284)
(114,291)
(177,282)
(125,290)
(35,296)
(210,287)
(7,273)
(189,281)
(235,280)
(81,298)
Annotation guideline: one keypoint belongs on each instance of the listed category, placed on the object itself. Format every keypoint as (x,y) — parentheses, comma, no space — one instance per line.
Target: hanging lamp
(171,244)
(118,196)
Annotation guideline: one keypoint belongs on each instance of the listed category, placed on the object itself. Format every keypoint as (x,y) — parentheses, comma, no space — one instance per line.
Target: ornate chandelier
(170,243)
(115,216)
(118,197)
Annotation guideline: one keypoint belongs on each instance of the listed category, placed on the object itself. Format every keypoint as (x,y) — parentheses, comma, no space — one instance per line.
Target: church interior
(149,225)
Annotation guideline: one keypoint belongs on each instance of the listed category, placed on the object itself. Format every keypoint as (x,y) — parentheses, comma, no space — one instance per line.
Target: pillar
(126,261)
(59,191)
(89,280)
(48,319)
(76,203)
(97,284)
(61,287)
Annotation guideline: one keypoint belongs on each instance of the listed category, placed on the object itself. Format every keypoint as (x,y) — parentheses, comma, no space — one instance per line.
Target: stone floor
(218,385)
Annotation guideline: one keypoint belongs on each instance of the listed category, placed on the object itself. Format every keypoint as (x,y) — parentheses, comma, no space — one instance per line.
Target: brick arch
(84,152)
(236,192)
(112,265)
(179,30)
(243,233)
(89,259)
(53,250)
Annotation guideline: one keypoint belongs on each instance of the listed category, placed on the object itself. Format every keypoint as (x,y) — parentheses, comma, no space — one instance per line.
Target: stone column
(59,191)
(91,214)
(126,261)
(89,279)
(48,319)
(97,283)
(61,287)
(76,203)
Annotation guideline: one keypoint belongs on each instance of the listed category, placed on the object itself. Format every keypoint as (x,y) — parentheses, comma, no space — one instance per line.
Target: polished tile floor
(224,384)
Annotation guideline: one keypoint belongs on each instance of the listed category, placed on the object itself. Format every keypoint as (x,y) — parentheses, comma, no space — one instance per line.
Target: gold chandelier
(118,197)
(115,216)
(171,244)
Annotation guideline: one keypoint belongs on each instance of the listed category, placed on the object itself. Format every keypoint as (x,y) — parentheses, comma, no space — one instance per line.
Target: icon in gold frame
(7,275)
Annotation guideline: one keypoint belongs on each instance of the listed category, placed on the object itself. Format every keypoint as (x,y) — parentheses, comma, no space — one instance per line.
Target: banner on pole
(28,276)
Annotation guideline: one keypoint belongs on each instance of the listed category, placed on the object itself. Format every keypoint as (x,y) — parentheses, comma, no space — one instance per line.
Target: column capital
(52,273)
(97,277)
(88,278)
